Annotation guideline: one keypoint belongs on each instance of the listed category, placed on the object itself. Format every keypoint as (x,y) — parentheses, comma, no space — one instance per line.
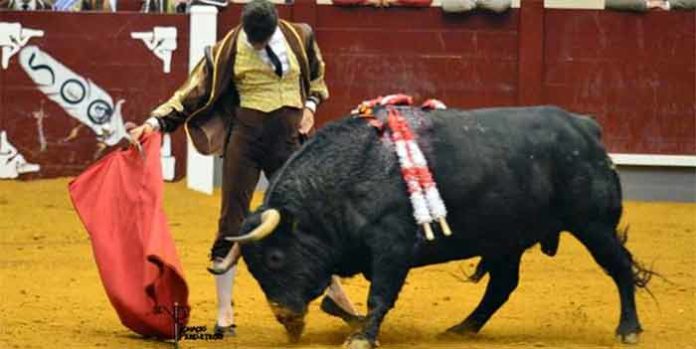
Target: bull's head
(289,263)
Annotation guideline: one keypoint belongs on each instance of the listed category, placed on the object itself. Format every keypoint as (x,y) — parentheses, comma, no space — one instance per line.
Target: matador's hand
(140,131)
(307,121)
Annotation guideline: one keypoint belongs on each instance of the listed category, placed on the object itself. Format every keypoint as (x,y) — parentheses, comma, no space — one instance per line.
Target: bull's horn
(269,221)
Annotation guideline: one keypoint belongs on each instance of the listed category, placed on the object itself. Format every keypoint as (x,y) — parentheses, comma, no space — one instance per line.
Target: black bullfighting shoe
(220,265)
(225,331)
(330,307)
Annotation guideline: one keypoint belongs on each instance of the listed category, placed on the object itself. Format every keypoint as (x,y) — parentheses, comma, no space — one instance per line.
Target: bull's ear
(270,219)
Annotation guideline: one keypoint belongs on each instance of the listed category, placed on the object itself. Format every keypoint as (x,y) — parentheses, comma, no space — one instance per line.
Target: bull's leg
(389,270)
(504,277)
(608,251)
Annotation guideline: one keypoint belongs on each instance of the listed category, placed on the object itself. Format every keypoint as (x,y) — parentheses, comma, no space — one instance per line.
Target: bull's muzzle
(294,322)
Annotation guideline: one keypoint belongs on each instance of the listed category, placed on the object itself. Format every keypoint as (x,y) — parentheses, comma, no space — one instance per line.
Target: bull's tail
(642,275)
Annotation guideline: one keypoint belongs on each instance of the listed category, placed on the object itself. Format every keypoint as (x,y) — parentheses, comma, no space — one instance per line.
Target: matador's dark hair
(259,20)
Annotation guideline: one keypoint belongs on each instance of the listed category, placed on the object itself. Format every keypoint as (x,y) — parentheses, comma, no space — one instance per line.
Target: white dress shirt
(279,47)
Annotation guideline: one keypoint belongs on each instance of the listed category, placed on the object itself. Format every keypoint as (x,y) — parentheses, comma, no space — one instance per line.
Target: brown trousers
(259,142)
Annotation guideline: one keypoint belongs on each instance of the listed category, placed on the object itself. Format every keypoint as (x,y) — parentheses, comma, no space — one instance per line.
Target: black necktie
(274,59)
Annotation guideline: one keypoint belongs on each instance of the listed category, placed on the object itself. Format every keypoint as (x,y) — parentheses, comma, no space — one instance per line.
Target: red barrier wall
(635,72)
(464,60)
(98,47)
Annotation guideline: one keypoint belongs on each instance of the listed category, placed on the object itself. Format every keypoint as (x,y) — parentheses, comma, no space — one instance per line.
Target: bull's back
(505,173)
(516,153)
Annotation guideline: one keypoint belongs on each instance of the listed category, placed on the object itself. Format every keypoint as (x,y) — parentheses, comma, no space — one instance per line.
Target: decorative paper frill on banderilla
(426,201)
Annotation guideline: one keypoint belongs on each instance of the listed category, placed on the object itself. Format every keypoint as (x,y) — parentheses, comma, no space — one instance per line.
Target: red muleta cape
(119,200)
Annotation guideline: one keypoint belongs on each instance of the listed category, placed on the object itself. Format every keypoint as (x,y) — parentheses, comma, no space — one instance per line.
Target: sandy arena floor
(52,296)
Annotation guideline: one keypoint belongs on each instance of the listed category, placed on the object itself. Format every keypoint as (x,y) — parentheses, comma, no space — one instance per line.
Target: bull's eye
(275,259)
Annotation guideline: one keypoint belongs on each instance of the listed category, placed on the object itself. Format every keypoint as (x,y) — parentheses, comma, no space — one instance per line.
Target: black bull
(510,178)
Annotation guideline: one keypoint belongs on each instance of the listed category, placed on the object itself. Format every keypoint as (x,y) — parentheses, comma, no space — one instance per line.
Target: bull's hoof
(356,323)
(629,338)
(464,329)
(628,332)
(359,342)
(449,336)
